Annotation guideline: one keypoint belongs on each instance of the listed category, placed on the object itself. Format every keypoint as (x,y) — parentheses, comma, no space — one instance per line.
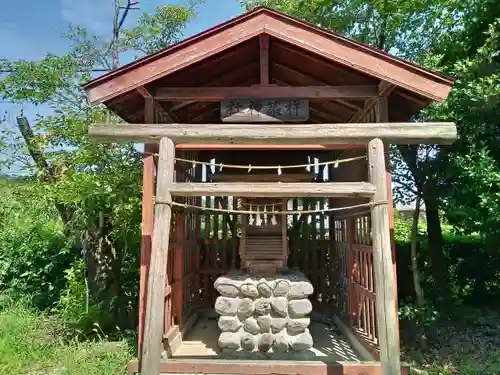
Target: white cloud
(94,15)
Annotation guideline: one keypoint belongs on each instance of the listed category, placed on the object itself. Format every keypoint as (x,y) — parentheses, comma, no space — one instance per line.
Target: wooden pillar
(382,261)
(382,115)
(152,345)
(148,186)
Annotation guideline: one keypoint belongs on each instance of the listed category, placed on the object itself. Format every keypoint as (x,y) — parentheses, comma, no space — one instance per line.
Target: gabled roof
(328,44)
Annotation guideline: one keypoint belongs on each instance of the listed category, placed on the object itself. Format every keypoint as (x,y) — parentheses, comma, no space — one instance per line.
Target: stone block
(265,342)
(245,308)
(226,305)
(280,306)
(229,340)
(302,342)
(262,306)
(229,323)
(264,323)
(249,290)
(251,326)
(300,289)
(299,308)
(264,289)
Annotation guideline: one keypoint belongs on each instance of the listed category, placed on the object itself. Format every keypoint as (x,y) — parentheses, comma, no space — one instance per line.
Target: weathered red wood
(178,268)
(148,186)
(148,192)
(238,367)
(193,146)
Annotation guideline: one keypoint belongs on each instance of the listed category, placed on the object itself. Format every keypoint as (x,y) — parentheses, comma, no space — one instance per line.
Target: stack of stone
(264,315)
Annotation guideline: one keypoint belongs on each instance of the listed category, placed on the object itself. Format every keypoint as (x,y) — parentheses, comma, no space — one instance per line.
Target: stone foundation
(264,316)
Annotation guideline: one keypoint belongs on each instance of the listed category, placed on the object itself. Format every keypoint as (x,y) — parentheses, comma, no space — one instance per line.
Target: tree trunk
(419,293)
(435,247)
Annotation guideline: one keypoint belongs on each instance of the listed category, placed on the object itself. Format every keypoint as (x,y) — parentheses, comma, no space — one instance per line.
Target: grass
(467,344)
(32,344)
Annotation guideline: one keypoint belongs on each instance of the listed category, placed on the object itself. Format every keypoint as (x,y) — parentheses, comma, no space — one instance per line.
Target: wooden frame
(242,367)
(260,21)
(359,133)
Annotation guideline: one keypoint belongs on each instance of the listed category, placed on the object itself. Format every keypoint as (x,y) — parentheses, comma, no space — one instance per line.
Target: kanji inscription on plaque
(267,110)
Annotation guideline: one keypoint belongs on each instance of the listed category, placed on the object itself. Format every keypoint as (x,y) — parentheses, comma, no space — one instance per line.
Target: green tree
(407,29)
(94,187)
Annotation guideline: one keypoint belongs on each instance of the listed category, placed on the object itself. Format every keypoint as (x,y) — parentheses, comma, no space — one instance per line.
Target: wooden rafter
(350,133)
(225,79)
(169,114)
(299,76)
(384,90)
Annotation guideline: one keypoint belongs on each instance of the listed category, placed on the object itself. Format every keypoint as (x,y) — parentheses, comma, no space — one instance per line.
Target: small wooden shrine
(265,150)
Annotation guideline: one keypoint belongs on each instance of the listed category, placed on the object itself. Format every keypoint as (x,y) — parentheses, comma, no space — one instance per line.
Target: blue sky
(29,29)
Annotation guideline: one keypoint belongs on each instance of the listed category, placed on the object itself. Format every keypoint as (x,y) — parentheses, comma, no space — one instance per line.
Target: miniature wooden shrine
(268,111)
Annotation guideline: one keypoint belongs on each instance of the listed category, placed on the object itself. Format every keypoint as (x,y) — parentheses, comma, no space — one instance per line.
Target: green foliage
(406,28)
(33,248)
(84,196)
(75,306)
(157,30)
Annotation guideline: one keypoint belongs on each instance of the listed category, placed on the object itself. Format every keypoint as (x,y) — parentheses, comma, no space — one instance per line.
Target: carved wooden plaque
(267,110)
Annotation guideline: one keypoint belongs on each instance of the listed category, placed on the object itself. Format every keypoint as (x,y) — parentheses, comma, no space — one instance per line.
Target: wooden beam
(387,321)
(249,367)
(272,189)
(170,115)
(264,59)
(223,80)
(328,134)
(384,90)
(220,147)
(152,346)
(265,92)
(299,76)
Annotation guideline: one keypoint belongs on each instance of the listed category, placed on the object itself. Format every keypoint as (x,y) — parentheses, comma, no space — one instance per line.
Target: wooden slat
(153,325)
(266,92)
(270,189)
(387,320)
(351,133)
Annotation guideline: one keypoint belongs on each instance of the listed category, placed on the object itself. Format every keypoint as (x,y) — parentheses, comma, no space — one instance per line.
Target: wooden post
(382,260)
(382,115)
(148,191)
(153,325)
(146,231)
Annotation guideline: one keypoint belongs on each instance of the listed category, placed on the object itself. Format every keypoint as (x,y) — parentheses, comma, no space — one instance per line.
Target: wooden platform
(197,353)
(329,344)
